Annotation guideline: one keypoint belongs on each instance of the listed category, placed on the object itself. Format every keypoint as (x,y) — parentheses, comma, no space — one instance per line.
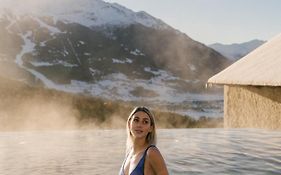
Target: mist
(21,109)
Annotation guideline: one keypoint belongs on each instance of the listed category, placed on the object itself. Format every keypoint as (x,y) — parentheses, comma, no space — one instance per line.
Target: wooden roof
(261,67)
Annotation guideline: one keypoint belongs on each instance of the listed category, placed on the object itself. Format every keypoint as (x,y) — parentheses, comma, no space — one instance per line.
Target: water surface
(186,151)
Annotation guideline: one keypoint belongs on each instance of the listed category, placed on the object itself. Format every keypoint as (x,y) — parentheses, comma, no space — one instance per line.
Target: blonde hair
(151,136)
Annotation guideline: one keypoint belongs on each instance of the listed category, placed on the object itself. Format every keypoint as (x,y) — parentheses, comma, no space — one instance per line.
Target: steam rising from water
(36,113)
(26,108)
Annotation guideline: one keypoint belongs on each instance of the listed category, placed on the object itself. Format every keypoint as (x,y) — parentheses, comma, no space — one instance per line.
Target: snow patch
(118,61)
(28,47)
(87,54)
(60,62)
(94,72)
(38,64)
(136,52)
(81,42)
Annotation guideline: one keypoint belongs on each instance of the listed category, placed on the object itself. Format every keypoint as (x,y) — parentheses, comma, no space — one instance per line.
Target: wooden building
(252,88)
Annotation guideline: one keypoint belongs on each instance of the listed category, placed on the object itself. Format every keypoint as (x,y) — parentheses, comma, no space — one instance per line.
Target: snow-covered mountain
(89,13)
(237,50)
(106,50)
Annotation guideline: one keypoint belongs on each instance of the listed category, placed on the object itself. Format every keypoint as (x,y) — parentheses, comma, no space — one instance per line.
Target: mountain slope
(102,49)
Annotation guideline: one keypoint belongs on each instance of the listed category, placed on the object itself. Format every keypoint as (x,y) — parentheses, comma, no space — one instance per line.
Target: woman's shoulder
(156,161)
(153,152)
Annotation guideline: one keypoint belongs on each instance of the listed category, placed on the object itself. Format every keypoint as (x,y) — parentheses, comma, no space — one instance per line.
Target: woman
(142,156)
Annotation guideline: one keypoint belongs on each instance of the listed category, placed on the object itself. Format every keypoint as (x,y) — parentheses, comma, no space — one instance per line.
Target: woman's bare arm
(156,161)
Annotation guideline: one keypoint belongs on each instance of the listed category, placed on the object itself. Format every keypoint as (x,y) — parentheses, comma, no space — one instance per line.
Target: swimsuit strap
(149,147)
(140,166)
(139,169)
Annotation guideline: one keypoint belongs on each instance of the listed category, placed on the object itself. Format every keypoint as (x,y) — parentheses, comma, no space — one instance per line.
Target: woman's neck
(138,146)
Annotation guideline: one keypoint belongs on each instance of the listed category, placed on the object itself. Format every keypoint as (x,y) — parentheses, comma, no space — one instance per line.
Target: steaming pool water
(186,151)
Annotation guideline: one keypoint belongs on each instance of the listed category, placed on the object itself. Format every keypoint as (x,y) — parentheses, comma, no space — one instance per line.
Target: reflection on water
(187,151)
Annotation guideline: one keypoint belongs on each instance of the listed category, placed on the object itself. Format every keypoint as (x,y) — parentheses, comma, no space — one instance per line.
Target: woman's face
(140,125)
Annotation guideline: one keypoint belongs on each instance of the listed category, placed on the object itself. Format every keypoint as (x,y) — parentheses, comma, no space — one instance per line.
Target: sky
(215,21)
